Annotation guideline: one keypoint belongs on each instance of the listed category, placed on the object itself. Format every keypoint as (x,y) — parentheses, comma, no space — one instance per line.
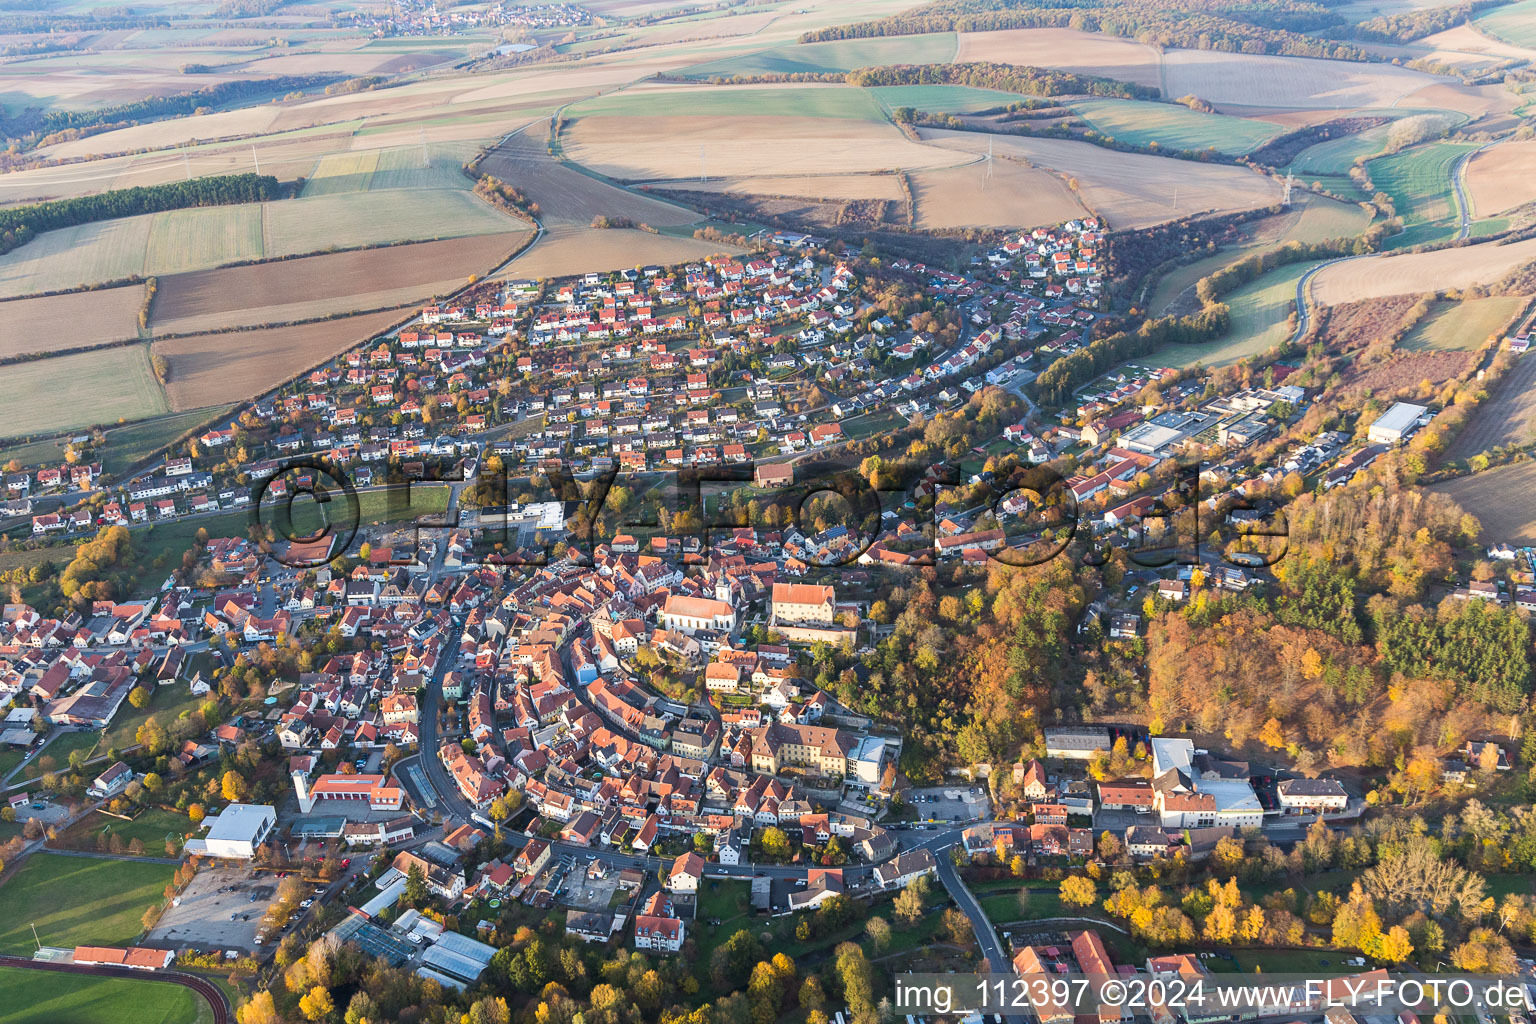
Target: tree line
(18,225)
(1019,78)
(1233,26)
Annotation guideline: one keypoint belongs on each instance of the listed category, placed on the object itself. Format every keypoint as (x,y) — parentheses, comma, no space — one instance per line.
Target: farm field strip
(80,390)
(1461,326)
(1515,23)
(1408,273)
(1500,498)
(77,320)
(838,55)
(1174,126)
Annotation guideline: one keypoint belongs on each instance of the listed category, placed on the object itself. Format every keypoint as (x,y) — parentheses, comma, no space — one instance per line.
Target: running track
(207,989)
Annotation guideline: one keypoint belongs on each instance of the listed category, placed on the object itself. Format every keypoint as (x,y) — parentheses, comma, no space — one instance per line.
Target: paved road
(986,935)
(1458,186)
(202,986)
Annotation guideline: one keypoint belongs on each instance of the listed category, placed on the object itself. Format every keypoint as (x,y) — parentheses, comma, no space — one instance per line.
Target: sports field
(1174,126)
(80,390)
(1259,312)
(840,55)
(77,901)
(45,997)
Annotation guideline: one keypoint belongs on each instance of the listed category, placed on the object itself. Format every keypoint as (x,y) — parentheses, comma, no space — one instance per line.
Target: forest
(20,224)
(1264,26)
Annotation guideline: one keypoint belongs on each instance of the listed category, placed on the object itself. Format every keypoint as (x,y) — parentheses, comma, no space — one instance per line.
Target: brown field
(1508,416)
(808,186)
(1373,276)
(574,250)
(76,320)
(1257,80)
(1500,499)
(360,62)
(1016,196)
(1463,47)
(1503,177)
(213,369)
(648,148)
(174,132)
(729,26)
(1084,52)
(1491,101)
(565,195)
(210,300)
(1130,190)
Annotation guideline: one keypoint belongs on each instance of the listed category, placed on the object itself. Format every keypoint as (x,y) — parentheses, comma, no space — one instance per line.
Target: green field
(1173,126)
(942,99)
(1324,218)
(1419,182)
(77,901)
(344,220)
(45,997)
(1461,326)
(100,251)
(342,172)
(1513,24)
(1259,311)
(203,237)
(80,390)
(840,55)
(123,445)
(835,101)
(1337,156)
(150,827)
(59,748)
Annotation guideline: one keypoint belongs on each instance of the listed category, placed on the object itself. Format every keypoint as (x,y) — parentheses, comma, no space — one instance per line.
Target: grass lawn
(943,99)
(1174,126)
(1259,312)
(838,55)
(106,385)
(1287,961)
(10,757)
(167,701)
(150,827)
(59,748)
(1461,326)
(724,900)
(77,901)
(43,997)
(122,446)
(832,101)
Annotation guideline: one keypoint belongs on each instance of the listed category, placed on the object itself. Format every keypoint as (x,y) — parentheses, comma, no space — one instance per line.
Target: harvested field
(1174,126)
(1462,326)
(1016,196)
(76,320)
(210,369)
(1413,273)
(574,250)
(80,390)
(810,186)
(565,195)
(1502,178)
(829,102)
(839,55)
(1068,49)
(647,148)
(1130,190)
(1507,417)
(1467,40)
(313,286)
(174,132)
(1258,80)
(1500,500)
(1475,101)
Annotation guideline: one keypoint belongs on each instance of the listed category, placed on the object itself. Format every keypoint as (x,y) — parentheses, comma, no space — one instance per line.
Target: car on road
(346,863)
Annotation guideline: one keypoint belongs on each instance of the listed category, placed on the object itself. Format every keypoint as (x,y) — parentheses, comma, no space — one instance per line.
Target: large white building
(1192,790)
(692,614)
(236,833)
(1396,424)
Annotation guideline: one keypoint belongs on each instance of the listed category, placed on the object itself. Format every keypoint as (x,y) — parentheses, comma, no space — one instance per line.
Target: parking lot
(586,892)
(952,803)
(221,908)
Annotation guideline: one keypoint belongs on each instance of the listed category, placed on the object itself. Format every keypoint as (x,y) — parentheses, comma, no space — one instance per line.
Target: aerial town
(763,513)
